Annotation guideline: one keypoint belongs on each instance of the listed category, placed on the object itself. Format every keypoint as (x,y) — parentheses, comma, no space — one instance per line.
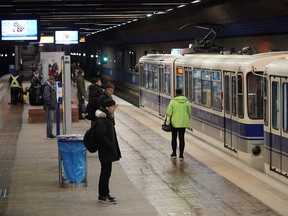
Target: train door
(284,141)
(229,109)
(165,87)
(277,138)
(142,83)
(188,83)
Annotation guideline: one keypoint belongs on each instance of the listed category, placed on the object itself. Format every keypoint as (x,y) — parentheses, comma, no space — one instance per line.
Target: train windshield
(255,90)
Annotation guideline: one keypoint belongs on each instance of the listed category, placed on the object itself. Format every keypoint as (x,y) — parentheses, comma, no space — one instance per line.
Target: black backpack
(90,140)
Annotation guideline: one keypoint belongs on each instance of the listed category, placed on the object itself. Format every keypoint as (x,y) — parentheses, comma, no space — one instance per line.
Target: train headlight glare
(256,150)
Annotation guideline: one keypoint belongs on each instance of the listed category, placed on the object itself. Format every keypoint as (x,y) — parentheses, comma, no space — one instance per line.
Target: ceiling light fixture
(196,1)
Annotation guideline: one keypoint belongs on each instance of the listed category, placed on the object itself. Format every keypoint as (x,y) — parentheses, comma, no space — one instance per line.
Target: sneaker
(173,156)
(107,199)
(51,136)
(181,158)
(110,197)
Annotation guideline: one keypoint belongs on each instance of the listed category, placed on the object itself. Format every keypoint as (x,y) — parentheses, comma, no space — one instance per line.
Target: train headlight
(256,150)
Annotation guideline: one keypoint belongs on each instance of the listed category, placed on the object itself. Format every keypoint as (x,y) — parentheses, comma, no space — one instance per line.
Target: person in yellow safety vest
(15,82)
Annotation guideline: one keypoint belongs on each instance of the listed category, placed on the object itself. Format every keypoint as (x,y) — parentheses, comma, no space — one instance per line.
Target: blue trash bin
(72,160)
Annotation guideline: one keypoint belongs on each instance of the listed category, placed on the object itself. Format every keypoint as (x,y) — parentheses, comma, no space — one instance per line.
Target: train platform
(145,181)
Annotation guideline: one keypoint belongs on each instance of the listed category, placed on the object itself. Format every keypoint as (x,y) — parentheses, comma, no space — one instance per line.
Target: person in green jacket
(178,112)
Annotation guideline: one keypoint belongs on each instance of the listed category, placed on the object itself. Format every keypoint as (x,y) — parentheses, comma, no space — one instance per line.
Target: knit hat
(94,80)
(109,103)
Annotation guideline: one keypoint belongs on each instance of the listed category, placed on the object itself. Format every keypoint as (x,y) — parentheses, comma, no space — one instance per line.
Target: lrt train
(226,95)
(276,118)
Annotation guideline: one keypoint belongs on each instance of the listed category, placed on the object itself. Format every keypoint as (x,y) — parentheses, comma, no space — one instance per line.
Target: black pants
(15,95)
(103,186)
(180,132)
(81,107)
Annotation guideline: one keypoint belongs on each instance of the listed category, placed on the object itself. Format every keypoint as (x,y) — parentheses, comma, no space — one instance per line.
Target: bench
(36,114)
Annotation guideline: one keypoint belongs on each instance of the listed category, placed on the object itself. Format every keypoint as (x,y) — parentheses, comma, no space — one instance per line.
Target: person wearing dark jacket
(81,92)
(50,104)
(108,149)
(95,90)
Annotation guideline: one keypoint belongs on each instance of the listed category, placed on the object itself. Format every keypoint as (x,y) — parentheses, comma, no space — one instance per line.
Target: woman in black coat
(108,148)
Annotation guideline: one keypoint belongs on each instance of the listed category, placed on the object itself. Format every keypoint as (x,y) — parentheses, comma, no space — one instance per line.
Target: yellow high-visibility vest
(14,82)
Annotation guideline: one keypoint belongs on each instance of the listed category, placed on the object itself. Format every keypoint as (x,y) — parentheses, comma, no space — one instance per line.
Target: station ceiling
(139,21)
(89,16)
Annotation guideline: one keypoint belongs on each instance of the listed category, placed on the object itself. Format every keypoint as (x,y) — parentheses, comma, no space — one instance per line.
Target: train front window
(255,87)
(285,107)
(167,81)
(179,78)
(146,76)
(275,105)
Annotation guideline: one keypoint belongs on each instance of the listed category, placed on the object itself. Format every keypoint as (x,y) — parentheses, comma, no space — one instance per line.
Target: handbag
(166,127)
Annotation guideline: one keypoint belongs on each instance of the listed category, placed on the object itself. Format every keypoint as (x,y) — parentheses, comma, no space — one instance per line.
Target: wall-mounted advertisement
(19,30)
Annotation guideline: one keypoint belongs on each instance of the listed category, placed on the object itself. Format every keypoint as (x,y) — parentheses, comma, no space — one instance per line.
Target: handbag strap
(166,119)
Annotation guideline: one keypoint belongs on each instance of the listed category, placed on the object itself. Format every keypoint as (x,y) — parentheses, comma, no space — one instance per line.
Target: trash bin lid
(70,137)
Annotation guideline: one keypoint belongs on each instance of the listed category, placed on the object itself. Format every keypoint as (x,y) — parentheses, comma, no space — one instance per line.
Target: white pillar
(66,90)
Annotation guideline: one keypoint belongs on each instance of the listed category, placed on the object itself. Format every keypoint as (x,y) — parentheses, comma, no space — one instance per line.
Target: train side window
(275,105)
(240,95)
(285,107)
(234,96)
(197,96)
(206,88)
(216,90)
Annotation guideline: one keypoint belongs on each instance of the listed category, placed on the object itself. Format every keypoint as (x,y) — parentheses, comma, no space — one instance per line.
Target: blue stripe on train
(276,143)
(243,131)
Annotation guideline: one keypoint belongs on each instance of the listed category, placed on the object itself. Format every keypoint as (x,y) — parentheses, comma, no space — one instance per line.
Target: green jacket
(179,109)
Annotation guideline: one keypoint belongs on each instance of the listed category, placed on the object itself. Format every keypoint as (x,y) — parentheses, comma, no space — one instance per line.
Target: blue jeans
(49,128)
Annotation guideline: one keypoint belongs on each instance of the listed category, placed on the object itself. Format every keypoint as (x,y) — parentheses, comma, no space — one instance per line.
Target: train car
(276,119)
(225,92)
(156,82)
